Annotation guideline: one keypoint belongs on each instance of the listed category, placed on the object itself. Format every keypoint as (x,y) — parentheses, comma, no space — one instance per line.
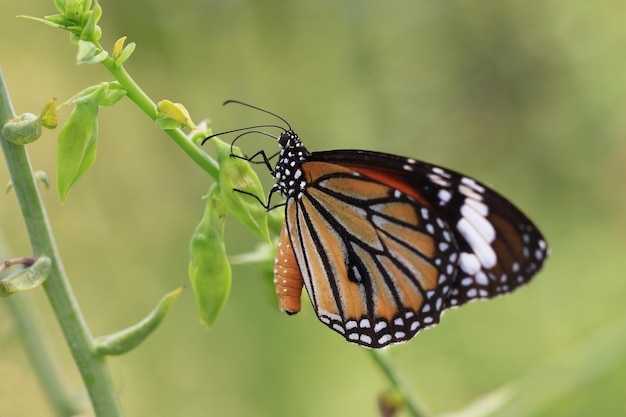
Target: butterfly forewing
(377,264)
(499,248)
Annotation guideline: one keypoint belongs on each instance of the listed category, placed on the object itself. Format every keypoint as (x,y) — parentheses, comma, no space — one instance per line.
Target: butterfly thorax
(290,180)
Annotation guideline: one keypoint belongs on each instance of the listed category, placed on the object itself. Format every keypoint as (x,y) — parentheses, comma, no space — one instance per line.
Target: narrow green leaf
(26,278)
(236,174)
(209,269)
(126,53)
(76,152)
(121,342)
(60,5)
(56,20)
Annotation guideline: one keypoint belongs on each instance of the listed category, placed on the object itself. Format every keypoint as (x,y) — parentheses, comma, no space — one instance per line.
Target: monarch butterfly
(385,244)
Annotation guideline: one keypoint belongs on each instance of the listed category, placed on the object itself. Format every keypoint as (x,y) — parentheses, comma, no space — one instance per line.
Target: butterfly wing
(499,248)
(378,264)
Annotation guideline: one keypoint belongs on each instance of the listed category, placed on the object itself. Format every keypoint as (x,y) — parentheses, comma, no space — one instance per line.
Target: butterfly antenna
(248,132)
(245,128)
(258,108)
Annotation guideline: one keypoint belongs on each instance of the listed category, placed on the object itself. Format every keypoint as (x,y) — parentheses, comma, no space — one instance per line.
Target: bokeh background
(529,97)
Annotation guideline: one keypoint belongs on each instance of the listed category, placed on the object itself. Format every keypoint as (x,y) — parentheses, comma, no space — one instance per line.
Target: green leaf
(89,53)
(111,94)
(76,152)
(56,20)
(91,30)
(131,337)
(60,5)
(209,269)
(26,278)
(24,129)
(236,174)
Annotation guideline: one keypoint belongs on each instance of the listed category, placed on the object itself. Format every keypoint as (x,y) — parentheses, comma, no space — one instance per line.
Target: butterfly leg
(266,160)
(267,206)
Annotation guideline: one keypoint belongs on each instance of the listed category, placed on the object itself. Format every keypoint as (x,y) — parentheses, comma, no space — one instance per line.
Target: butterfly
(385,244)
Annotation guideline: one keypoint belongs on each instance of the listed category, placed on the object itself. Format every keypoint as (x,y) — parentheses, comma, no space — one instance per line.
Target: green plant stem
(413,405)
(141,99)
(92,367)
(36,348)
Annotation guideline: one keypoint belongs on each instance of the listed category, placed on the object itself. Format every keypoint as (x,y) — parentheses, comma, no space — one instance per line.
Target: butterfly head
(288,172)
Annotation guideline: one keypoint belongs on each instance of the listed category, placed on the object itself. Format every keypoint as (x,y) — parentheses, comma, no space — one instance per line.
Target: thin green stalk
(141,99)
(41,361)
(92,367)
(413,405)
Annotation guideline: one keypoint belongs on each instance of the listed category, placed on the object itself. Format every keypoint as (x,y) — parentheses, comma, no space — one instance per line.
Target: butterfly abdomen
(287,277)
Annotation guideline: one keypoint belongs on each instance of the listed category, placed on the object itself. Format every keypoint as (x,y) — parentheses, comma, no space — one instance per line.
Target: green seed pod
(131,337)
(209,267)
(24,129)
(78,138)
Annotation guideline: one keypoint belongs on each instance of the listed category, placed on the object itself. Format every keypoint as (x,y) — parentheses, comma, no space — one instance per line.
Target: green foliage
(209,267)
(78,138)
(239,186)
(125,340)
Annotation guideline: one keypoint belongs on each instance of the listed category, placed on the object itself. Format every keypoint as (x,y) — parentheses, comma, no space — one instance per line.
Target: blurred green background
(529,97)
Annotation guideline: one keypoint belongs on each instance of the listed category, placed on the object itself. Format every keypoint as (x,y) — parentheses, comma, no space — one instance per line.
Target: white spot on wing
(482,249)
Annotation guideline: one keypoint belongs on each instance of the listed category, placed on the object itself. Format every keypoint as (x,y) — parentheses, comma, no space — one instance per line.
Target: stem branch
(413,405)
(92,367)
